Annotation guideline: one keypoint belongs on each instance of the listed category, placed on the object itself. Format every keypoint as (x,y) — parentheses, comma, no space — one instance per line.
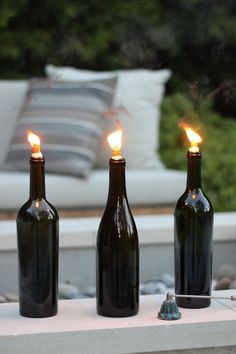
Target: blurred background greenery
(196,39)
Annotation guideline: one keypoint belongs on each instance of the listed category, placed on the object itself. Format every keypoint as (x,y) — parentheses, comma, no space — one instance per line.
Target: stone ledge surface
(78,329)
(152,229)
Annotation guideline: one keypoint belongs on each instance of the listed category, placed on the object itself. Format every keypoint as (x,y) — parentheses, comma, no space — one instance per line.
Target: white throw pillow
(140,92)
(68,116)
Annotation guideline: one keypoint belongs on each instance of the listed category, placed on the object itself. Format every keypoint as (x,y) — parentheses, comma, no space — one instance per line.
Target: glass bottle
(37,238)
(193,239)
(117,251)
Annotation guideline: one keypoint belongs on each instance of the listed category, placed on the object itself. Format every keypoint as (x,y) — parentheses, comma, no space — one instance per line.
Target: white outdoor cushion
(140,92)
(146,187)
(12,95)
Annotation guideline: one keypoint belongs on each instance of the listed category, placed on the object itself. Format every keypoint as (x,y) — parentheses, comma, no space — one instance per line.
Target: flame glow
(33,139)
(114,140)
(35,143)
(193,137)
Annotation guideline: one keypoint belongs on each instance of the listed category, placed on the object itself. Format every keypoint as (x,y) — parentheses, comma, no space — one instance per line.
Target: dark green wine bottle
(193,239)
(37,237)
(117,251)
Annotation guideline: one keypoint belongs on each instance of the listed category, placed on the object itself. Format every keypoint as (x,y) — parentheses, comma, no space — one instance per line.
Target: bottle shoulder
(39,209)
(119,212)
(118,223)
(194,201)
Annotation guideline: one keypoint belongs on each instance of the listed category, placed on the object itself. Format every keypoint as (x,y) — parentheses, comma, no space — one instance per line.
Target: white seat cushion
(146,187)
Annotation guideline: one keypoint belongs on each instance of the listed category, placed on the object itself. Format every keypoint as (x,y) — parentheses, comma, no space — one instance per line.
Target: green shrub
(218,147)
(195,38)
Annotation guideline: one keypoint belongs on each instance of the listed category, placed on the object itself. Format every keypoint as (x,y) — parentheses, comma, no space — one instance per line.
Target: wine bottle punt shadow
(193,239)
(37,239)
(117,253)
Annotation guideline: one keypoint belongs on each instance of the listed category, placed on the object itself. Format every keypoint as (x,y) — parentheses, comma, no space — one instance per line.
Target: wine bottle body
(117,264)
(193,248)
(37,238)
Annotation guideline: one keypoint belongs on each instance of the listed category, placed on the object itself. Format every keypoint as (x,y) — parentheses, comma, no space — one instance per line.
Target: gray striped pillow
(68,117)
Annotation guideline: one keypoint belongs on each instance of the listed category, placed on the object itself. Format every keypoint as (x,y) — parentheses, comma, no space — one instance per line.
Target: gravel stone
(68,291)
(226,270)
(232,285)
(168,279)
(223,283)
(89,292)
(2,299)
(152,288)
(11,297)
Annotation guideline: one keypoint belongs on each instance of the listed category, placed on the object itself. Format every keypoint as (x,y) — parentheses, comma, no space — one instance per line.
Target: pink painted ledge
(78,329)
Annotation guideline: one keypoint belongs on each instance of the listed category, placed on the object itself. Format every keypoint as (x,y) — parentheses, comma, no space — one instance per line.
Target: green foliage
(89,34)
(218,147)
(195,38)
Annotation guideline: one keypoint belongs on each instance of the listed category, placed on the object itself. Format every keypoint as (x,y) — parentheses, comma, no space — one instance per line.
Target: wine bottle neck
(37,178)
(194,171)
(117,187)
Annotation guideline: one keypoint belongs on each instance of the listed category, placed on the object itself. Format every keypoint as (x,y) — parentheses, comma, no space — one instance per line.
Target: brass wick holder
(169,310)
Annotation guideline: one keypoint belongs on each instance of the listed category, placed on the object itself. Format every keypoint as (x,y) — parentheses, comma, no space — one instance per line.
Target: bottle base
(116,313)
(192,303)
(37,315)
(37,312)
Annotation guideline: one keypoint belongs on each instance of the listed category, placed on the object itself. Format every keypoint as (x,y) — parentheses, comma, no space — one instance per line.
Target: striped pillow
(68,117)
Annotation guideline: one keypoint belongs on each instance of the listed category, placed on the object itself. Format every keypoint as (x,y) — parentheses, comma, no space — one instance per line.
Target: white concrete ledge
(153,229)
(78,329)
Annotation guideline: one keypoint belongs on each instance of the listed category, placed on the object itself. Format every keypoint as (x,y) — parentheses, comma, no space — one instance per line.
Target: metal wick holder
(169,310)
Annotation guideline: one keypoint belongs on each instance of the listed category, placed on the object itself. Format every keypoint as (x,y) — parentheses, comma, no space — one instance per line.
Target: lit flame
(35,143)
(193,137)
(33,139)
(114,140)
